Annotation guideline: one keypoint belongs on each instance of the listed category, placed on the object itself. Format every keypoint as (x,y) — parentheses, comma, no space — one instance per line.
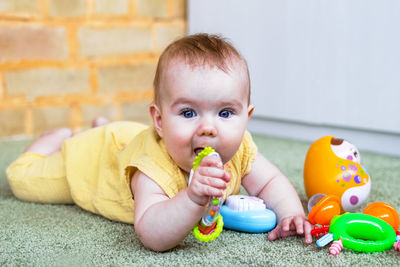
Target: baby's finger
(227,177)
(211,172)
(286,224)
(298,222)
(202,189)
(307,232)
(215,192)
(279,233)
(211,161)
(213,182)
(274,234)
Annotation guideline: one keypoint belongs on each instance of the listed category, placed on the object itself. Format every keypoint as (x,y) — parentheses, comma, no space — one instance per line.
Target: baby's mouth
(198,150)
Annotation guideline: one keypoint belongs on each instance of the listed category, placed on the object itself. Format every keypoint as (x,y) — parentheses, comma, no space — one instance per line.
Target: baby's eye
(355,154)
(188,113)
(225,113)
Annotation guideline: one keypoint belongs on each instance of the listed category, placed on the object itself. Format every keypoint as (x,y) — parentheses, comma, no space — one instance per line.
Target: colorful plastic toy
(359,232)
(211,223)
(332,167)
(319,231)
(385,212)
(322,208)
(373,230)
(241,213)
(247,214)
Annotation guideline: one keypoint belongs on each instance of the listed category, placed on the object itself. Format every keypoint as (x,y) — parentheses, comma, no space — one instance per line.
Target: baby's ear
(250,110)
(155,114)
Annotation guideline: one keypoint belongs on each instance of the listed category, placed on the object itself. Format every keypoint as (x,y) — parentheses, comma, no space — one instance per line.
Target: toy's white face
(347,150)
(244,203)
(353,197)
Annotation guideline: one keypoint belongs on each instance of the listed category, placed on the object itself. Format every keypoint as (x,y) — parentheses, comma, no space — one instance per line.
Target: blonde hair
(199,50)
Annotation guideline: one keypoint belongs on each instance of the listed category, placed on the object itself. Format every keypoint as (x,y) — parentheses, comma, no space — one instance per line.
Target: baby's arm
(268,183)
(162,223)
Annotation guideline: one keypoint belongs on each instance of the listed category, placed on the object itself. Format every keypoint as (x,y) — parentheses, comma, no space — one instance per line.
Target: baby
(201,98)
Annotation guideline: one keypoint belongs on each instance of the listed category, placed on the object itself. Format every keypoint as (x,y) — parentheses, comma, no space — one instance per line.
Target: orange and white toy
(332,167)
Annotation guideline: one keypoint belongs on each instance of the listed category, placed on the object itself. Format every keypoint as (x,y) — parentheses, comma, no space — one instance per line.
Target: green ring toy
(211,223)
(362,232)
(209,237)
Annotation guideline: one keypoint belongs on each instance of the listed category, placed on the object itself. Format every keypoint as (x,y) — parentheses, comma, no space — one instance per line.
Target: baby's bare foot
(50,141)
(99,121)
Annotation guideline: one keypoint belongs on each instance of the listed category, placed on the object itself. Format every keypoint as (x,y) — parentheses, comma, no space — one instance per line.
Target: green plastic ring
(206,238)
(363,232)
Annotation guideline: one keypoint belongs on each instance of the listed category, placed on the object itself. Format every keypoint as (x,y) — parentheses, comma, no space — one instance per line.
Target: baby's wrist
(196,202)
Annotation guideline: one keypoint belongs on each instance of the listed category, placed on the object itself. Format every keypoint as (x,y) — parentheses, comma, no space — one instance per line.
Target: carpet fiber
(65,235)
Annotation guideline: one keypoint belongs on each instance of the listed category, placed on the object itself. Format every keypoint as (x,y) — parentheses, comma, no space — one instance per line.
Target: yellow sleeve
(240,164)
(249,152)
(148,154)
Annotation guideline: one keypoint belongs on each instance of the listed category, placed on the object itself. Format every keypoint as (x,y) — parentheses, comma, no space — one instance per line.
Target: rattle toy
(247,214)
(371,231)
(211,223)
(241,213)
(322,208)
(332,167)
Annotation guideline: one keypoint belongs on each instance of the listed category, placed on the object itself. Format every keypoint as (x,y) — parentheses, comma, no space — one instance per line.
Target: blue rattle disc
(247,214)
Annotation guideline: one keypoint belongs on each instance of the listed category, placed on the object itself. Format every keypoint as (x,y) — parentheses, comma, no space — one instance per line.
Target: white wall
(317,67)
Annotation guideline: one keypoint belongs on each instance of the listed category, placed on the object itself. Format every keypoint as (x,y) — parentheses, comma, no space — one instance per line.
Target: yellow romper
(94,169)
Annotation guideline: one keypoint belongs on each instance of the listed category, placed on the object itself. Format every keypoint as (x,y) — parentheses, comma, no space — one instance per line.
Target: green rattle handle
(211,223)
(201,233)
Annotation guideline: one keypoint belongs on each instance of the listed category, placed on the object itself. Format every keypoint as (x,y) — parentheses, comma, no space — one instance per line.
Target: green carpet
(65,235)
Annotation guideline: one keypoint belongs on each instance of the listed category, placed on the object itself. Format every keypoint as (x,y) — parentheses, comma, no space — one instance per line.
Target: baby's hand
(209,179)
(291,226)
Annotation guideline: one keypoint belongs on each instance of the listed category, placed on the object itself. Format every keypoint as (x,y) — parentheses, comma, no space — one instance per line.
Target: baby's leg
(50,142)
(40,176)
(37,178)
(99,121)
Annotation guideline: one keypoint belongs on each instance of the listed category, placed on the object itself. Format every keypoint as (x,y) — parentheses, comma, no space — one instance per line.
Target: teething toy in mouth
(211,223)
(241,213)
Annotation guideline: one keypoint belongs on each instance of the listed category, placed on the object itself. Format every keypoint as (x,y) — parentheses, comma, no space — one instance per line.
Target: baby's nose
(207,128)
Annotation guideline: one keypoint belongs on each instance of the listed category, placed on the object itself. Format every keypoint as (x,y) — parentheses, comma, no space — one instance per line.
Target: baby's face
(201,107)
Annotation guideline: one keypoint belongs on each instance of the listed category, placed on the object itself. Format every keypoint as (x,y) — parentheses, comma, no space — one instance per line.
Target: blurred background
(64,62)
(317,67)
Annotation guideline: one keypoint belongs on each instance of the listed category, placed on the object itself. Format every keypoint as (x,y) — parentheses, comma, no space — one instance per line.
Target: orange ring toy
(384,212)
(325,209)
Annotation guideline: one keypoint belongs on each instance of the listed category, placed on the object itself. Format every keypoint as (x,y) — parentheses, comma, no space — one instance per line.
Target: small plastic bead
(396,245)
(336,247)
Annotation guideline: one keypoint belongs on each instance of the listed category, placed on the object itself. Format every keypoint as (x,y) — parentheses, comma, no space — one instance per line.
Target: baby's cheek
(231,143)
(179,132)
(181,136)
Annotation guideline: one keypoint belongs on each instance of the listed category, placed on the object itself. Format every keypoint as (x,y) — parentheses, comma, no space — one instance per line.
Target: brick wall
(64,62)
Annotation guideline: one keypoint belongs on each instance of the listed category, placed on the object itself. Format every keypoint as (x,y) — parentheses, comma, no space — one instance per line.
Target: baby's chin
(185,169)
